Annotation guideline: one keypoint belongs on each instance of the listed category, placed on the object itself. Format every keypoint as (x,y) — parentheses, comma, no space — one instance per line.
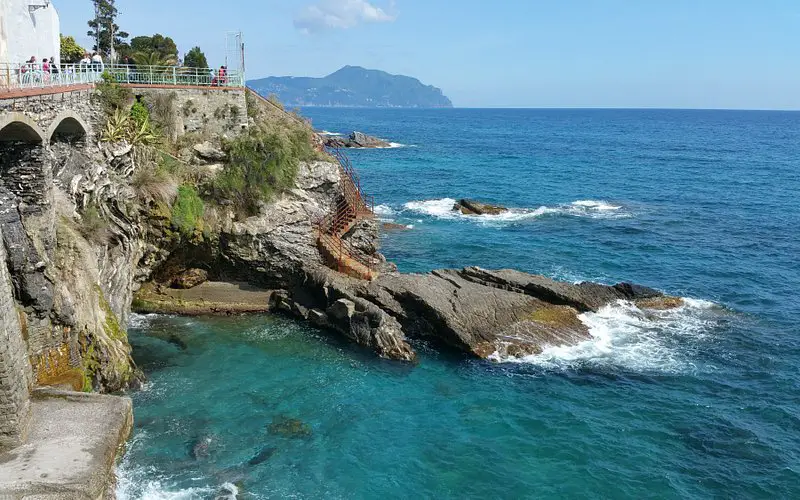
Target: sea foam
(442,208)
(629,338)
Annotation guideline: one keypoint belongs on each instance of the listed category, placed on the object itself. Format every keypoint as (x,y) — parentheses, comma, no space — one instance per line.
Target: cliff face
(73,290)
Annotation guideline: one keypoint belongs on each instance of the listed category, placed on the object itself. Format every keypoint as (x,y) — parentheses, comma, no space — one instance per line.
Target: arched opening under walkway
(20,129)
(67,127)
(22,158)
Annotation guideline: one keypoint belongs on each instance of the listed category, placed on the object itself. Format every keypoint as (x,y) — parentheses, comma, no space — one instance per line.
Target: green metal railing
(174,75)
(15,76)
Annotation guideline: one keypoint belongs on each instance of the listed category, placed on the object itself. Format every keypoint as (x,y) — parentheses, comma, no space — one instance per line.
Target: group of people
(32,65)
(91,66)
(91,62)
(47,69)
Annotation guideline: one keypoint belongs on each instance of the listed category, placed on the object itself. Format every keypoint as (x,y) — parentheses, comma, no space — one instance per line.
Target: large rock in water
(472,207)
(355,140)
(484,313)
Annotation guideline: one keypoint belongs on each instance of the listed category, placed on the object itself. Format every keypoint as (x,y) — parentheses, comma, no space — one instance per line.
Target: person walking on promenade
(97,63)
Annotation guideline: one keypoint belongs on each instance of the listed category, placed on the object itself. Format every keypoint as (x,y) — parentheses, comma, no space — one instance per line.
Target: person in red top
(223,75)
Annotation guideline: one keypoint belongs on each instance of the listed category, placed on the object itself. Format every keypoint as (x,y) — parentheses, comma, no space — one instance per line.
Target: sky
(734,54)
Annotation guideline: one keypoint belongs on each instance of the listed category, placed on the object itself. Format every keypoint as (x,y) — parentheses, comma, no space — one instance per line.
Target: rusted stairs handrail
(349,209)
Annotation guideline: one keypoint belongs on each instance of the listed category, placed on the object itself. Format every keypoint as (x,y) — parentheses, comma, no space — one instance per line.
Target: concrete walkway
(71,448)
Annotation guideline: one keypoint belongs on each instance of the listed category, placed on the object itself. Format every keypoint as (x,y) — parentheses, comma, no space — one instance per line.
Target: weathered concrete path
(71,448)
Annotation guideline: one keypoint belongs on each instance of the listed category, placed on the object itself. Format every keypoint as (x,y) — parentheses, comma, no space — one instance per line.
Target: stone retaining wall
(15,373)
(212,113)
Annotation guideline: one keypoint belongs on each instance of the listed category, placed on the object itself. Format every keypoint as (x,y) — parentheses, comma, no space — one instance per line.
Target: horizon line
(576,108)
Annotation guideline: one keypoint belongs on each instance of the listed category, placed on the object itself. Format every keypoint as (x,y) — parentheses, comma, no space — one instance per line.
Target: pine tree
(195,59)
(103,27)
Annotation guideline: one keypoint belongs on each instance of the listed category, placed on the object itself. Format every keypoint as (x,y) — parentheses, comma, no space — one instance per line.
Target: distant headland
(353,86)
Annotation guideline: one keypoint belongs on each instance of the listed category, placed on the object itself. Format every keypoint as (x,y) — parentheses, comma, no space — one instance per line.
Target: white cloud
(340,14)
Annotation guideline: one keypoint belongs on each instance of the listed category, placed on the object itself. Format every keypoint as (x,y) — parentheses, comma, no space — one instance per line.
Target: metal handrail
(20,76)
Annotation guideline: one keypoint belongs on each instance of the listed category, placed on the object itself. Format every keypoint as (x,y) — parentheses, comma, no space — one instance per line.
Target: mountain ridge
(353,86)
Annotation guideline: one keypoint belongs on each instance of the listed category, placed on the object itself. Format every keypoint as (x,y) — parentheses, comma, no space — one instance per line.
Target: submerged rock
(201,448)
(289,427)
(472,207)
(263,455)
(393,226)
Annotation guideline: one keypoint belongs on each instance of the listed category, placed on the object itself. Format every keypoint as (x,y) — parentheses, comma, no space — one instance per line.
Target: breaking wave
(148,483)
(392,145)
(325,132)
(629,338)
(384,211)
(442,208)
(138,321)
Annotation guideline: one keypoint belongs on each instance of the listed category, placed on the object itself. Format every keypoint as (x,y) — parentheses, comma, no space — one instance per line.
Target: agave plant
(142,134)
(117,127)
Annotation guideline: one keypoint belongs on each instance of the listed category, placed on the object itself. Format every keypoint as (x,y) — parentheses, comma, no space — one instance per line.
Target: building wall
(24,34)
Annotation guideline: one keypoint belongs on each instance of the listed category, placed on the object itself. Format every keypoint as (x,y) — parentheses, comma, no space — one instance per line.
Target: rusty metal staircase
(351,207)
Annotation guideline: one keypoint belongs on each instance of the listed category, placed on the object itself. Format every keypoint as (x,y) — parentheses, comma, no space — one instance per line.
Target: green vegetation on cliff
(187,211)
(261,163)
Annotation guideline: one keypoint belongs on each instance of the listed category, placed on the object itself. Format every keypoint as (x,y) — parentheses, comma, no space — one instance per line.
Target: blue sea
(698,402)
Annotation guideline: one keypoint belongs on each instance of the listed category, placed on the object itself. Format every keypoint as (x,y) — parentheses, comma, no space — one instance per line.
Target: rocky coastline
(270,261)
(89,235)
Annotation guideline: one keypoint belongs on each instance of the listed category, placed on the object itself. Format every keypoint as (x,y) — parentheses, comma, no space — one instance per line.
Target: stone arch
(17,127)
(67,125)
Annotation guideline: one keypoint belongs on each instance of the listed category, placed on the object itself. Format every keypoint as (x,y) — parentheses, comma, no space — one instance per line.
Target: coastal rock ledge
(484,313)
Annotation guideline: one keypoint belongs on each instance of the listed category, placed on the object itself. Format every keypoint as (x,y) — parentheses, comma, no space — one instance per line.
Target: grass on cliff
(261,163)
(188,211)
(94,227)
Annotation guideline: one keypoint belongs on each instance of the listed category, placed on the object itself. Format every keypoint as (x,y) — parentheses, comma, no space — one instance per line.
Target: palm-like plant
(154,58)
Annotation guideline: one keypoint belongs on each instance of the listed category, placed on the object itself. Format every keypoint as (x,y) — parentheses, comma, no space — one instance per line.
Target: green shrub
(261,164)
(139,112)
(187,212)
(112,94)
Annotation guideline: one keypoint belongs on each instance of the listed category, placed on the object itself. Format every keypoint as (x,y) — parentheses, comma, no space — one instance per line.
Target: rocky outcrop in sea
(354,140)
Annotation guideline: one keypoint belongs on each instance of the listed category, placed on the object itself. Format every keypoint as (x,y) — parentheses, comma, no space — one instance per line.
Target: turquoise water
(703,401)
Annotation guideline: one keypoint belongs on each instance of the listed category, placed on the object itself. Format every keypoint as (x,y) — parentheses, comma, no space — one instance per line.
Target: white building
(28,28)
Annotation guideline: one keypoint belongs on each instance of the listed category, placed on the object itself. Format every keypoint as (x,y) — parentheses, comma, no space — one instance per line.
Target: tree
(106,32)
(162,45)
(71,52)
(195,59)
(153,58)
